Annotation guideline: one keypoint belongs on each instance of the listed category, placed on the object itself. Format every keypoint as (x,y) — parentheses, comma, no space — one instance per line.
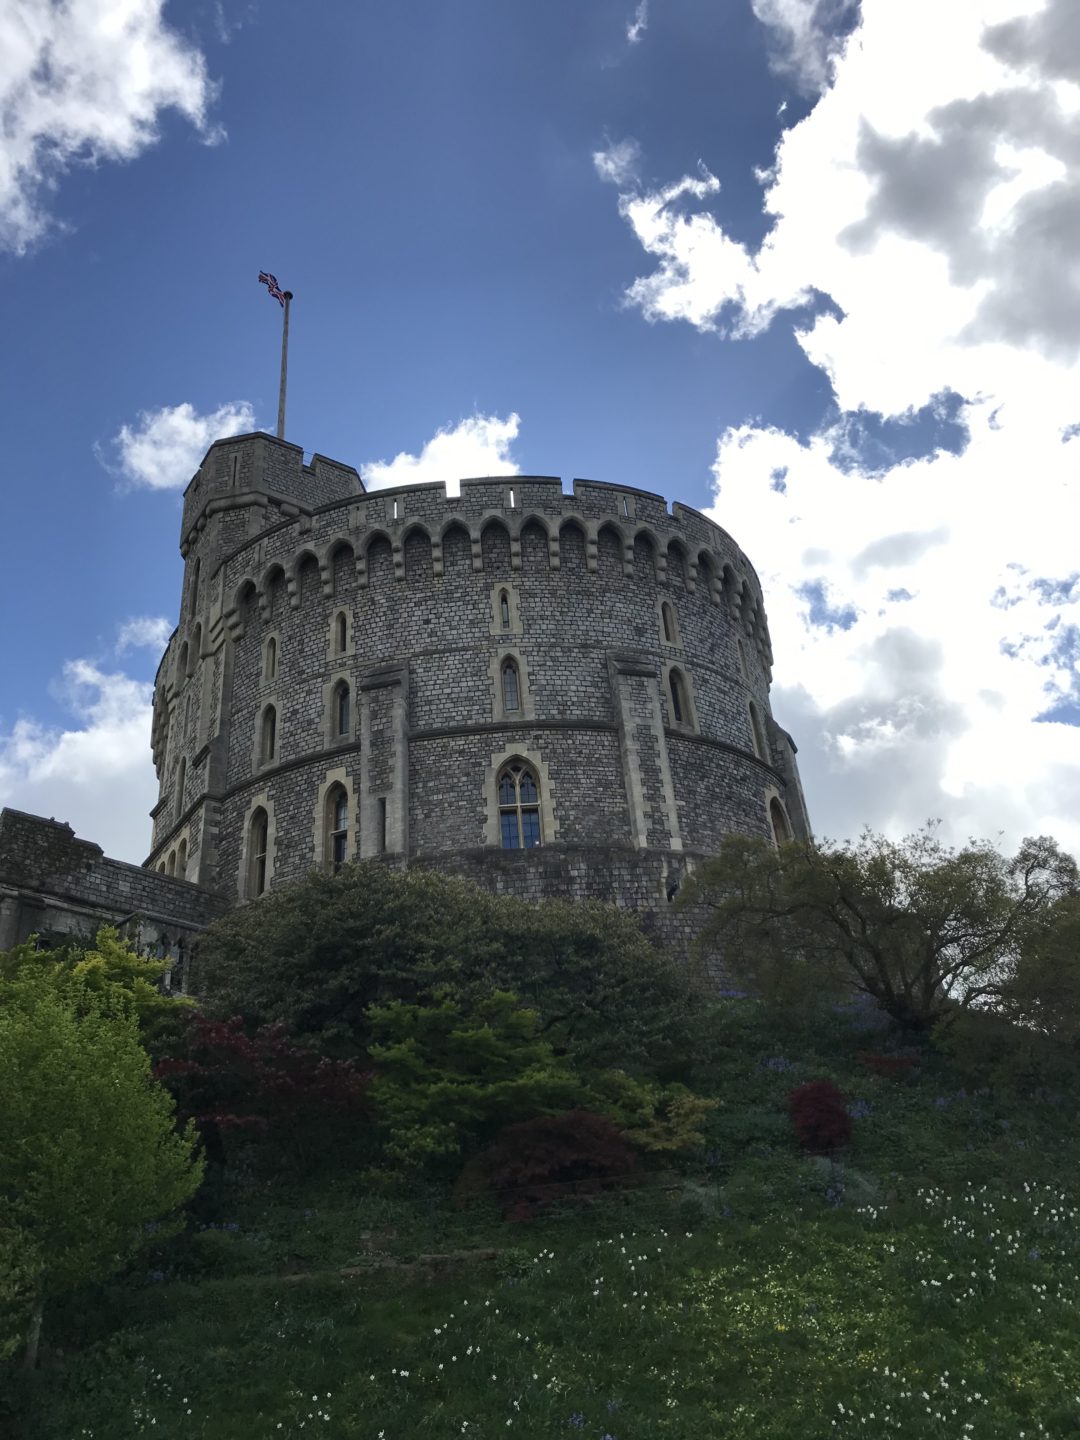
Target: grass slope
(926,1285)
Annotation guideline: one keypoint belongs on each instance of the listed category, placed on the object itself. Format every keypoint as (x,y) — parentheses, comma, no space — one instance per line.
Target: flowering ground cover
(948,1314)
(922,1281)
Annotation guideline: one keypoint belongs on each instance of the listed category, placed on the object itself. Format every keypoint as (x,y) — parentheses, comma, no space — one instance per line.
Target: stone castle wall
(276,550)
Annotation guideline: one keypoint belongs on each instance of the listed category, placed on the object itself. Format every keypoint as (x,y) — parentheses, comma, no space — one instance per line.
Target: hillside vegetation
(475,1168)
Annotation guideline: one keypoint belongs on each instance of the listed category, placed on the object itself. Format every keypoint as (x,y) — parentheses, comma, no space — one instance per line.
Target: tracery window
(257,837)
(337,825)
(519,807)
(511,686)
(780,826)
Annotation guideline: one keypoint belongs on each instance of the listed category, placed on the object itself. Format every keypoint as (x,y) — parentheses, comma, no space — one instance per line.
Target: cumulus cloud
(83,81)
(479,445)
(163,449)
(639,23)
(925,611)
(805,37)
(95,774)
(149,631)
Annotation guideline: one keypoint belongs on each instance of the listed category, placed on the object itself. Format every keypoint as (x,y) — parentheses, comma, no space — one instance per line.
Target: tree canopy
(317,956)
(925,930)
(89,1155)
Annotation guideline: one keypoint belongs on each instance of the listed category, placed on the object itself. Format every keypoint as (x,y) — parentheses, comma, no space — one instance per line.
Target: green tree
(108,966)
(316,956)
(926,931)
(89,1155)
(446,1078)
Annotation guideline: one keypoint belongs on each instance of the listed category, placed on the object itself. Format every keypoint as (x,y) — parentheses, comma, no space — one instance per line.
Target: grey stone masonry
(56,886)
(354,673)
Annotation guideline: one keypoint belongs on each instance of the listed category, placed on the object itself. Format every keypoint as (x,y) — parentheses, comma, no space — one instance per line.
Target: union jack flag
(270,281)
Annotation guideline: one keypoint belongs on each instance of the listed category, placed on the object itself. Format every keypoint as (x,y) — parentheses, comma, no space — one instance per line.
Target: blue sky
(714,248)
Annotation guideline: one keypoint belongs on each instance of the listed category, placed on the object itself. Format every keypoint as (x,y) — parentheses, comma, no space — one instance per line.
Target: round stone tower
(556,694)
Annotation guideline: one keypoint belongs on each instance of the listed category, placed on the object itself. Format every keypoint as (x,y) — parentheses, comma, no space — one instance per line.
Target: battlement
(261,470)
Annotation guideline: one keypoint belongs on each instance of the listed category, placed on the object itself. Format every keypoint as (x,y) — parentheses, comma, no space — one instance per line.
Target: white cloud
(928,196)
(618,163)
(479,445)
(83,81)
(97,775)
(151,631)
(640,22)
(163,450)
(805,38)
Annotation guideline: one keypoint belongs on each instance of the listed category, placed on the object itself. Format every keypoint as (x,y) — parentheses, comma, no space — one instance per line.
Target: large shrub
(301,1107)
(551,1158)
(820,1117)
(318,955)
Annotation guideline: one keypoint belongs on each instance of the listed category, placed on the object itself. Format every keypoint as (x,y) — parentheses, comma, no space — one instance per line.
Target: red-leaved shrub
(554,1157)
(820,1117)
(263,1085)
(890,1067)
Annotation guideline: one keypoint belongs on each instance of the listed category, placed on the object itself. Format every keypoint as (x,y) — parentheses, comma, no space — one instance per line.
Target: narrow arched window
(161,868)
(519,807)
(270,667)
(780,826)
(504,609)
(757,732)
(341,633)
(181,860)
(337,826)
(181,781)
(668,616)
(341,709)
(195,586)
(258,832)
(678,697)
(172,863)
(511,688)
(269,734)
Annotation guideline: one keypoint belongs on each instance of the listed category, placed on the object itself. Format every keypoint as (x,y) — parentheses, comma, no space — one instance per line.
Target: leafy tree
(924,930)
(447,1077)
(110,966)
(89,1154)
(20,1277)
(316,956)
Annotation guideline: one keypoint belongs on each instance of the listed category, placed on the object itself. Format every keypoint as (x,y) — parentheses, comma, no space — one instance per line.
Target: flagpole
(284,368)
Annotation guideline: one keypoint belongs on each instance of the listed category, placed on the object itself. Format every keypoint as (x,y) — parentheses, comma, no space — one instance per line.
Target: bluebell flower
(859,1109)
(1033,1253)
(577,1420)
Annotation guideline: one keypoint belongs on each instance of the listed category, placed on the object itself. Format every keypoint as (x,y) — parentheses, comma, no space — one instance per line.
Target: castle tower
(555,694)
